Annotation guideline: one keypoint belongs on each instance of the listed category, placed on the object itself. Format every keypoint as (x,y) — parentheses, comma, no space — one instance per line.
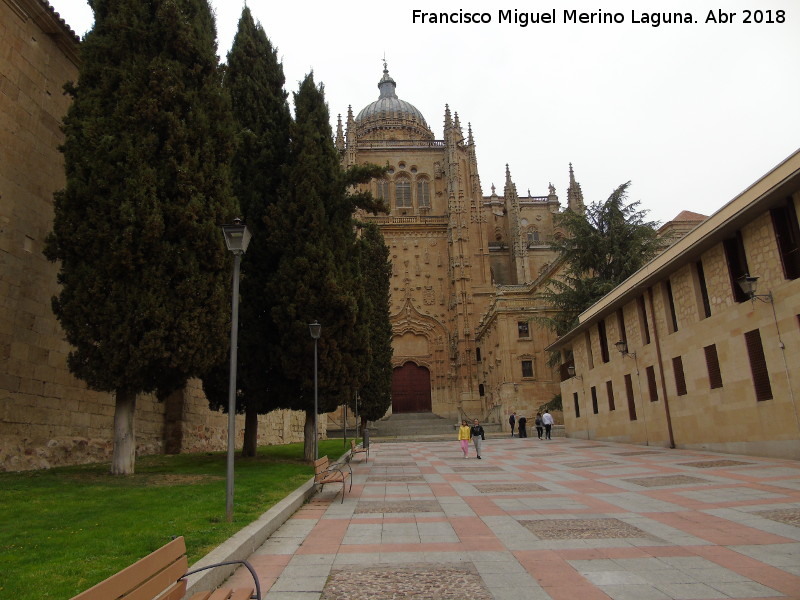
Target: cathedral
(466,268)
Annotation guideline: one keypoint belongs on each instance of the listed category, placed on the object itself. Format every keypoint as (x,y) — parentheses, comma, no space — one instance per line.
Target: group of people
(544,424)
(474,433)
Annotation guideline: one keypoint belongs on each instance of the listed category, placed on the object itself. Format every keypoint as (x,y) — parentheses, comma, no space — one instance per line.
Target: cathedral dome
(389,117)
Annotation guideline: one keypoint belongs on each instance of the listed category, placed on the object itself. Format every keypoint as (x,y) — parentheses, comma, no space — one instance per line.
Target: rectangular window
(737,264)
(623,336)
(701,282)
(680,378)
(383,189)
(402,191)
(712,364)
(787,233)
(589,354)
(651,383)
(672,317)
(523,329)
(577,405)
(601,329)
(643,324)
(423,193)
(527,369)
(631,402)
(481,390)
(478,354)
(594,400)
(758,365)
(610,392)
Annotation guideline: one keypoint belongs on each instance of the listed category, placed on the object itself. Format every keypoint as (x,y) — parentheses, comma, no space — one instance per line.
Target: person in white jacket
(548,421)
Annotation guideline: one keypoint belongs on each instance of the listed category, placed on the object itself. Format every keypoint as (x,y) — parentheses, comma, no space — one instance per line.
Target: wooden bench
(358,449)
(324,473)
(162,574)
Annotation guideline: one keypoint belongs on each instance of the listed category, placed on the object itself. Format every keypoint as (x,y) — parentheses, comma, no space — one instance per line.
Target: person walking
(477,436)
(539,426)
(548,421)
(511,420)
(464,435)
(522,429)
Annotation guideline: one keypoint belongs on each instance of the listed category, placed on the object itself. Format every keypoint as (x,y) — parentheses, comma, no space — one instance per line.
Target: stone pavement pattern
(563,519)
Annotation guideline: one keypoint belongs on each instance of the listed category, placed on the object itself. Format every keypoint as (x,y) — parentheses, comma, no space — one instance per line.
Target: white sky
(692,114)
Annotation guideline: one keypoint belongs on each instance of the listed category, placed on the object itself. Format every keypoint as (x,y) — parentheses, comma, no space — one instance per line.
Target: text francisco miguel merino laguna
(654,19)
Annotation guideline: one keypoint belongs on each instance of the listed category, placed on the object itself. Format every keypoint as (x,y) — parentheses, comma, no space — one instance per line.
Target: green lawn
(62,530)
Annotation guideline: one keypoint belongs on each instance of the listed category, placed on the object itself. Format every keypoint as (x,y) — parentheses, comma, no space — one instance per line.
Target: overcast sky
(691,113)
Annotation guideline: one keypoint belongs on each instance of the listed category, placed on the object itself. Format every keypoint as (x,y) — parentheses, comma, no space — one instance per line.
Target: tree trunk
(124,457)
(309,436)
(362,427)
(250,444)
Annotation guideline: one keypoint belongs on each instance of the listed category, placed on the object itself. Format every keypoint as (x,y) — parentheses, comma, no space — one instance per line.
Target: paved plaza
(564,519)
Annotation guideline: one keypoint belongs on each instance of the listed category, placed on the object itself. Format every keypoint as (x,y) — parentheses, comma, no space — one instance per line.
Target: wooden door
(411,389)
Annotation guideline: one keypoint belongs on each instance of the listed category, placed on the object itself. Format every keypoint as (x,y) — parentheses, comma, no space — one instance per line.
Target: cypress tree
(312,234)
(144,297)
(376,268)
(255,80)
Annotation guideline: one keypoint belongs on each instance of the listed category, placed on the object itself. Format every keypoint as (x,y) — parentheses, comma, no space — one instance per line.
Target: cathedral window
(402,192)
(527,369)
(423,193)
(533,238)
(382,192)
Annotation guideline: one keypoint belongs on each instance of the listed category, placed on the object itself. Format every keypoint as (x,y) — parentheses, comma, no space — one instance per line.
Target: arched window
(423,193)
(402,192)
(382,192)
(533,238)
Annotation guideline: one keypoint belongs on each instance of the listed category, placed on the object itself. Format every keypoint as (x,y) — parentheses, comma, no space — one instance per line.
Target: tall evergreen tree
(376,268)
(600,250)
(255,80)
(144,297)
(312,233)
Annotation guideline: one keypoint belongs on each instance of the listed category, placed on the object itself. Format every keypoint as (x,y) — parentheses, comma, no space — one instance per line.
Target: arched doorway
(411,389)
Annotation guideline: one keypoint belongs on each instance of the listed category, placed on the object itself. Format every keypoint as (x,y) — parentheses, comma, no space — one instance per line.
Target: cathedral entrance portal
(411,389)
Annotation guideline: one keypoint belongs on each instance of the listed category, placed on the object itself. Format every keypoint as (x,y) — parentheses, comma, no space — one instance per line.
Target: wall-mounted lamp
(749,284)
(571,373)
(622,346)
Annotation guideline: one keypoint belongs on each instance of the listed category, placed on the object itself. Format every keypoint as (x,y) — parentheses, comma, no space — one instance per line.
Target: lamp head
(315,329)
(237,236)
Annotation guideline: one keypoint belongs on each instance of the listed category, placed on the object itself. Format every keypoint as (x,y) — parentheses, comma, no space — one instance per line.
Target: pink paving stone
(759,572)
(716,530)
(568,591)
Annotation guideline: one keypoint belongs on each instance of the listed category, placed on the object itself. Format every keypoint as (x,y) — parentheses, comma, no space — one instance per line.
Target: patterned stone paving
(477,469)
(582,529)
(395,478)
(590,463)
(710,464)
(500,488)
(397,506)
(664,480)
(789,516)
(636,453)
(411,582)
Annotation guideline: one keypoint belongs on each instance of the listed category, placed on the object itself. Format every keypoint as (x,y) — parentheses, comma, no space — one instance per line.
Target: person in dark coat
(511,420)
(523,432)
(477,436)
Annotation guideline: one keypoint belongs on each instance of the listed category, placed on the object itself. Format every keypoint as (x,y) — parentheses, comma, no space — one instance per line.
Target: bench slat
(121,584)
(153,587)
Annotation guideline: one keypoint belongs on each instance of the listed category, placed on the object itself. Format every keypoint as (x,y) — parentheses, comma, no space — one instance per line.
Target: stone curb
(242,545)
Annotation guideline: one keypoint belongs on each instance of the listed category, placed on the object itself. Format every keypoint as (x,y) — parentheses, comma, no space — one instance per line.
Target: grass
(62,530)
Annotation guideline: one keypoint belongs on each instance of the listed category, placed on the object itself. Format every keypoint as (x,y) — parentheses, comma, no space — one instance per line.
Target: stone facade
(458,257)
(706,367)
(47,417)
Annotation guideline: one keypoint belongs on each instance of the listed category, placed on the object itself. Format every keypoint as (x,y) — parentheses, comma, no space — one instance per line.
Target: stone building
(47,417)
(465,267)
(681,355)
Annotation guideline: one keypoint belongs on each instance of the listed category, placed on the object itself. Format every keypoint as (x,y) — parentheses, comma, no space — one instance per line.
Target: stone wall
(47,417)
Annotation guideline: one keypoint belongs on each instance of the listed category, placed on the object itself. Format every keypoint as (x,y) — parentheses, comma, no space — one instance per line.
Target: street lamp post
(316,330)
(237,237)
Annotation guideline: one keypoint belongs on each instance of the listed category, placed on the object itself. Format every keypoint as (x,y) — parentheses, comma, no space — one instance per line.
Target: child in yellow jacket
(464,435)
